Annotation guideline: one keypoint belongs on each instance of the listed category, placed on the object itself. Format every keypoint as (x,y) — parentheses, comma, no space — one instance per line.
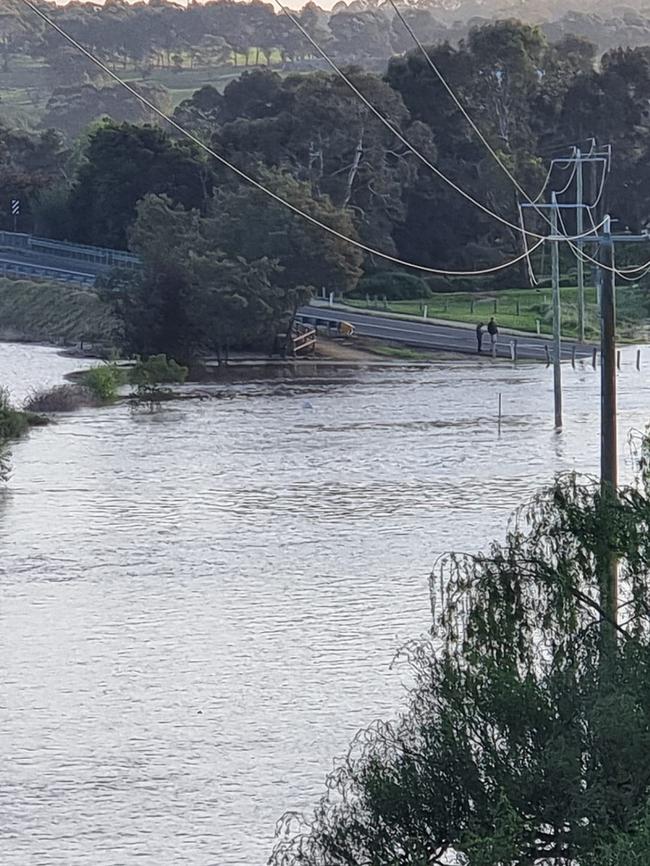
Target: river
(200,607)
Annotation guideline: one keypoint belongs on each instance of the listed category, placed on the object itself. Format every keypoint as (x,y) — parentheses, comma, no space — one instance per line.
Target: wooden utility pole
(557,320)
(608,433)
(579,232)
(608,429)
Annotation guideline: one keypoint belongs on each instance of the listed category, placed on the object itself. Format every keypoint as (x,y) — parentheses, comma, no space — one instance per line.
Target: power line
(256,184)
(405,141)
(393,129)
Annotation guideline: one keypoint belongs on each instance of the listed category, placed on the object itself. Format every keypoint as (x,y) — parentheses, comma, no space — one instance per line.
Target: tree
(74,107)
(12,32)
(247,224)
(123,164)
(190,298)
(29,164)
(318,130)
(526,736)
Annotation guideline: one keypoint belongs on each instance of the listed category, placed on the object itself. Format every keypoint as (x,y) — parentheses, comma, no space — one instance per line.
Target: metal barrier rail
(26,269)
(63,249)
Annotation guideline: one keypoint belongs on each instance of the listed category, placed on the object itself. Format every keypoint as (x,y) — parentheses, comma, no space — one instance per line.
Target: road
(447,338)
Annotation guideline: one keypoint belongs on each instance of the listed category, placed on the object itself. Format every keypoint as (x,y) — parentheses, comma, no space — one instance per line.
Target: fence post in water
(500,407)
(594,356)
(425,311)
(638,359)
(618,359)
(573,356)
(548,355)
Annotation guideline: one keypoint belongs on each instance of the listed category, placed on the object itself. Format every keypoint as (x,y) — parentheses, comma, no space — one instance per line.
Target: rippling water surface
(199,608)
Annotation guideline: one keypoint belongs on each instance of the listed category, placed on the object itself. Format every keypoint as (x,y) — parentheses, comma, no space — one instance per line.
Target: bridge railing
(27,269)
(101,256)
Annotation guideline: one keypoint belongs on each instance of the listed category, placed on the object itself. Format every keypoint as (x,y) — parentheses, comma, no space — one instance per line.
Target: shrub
(62,398)
(13,423)
(5,455)
(395,285)
(148,375)
(156,370)
(103,381)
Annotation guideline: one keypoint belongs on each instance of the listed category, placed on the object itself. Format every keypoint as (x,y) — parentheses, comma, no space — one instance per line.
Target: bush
(13,423)
(156,370)
(103,381)
(63,398)
(395,285)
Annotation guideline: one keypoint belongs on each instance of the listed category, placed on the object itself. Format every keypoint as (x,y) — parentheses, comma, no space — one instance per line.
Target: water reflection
(200,608)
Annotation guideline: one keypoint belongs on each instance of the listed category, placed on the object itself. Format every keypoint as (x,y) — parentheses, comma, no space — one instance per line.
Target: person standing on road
(493,331)
(479,336)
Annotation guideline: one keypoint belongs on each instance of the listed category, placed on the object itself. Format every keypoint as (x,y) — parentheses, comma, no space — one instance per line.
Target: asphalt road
(447,338)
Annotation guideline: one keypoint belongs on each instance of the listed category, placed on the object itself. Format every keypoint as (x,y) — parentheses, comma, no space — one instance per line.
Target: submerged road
(447,338)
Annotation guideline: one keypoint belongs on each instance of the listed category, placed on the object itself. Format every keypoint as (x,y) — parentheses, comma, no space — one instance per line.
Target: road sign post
(15,211)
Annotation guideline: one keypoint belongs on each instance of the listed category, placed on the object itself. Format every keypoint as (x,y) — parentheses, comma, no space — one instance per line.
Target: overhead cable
(396,132)
(259,186)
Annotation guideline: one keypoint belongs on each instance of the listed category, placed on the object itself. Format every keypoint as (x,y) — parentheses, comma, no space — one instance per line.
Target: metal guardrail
(98,256)
(25,269)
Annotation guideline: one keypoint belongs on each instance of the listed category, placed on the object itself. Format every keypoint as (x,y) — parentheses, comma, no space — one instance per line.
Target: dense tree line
(529,96)
(165,34)
(307,136)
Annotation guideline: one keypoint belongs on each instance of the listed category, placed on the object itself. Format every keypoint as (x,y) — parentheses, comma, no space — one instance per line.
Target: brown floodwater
(200,606)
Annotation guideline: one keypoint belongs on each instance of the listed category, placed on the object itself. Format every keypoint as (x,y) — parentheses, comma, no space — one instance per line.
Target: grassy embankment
(520,309)
(51,312)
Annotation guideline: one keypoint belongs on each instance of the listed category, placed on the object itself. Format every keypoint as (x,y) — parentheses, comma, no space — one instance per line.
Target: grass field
(521,309)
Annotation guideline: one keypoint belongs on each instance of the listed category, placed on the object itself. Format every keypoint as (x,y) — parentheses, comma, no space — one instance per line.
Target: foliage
(247,225)
(13,422)
(60,398)
(527,730)
(308,137)
(394,285)
(123,164)
(156,370)
(149,375)
(103,381)
(191,298)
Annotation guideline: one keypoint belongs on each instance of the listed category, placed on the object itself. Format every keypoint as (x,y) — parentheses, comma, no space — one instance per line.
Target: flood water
(200,607)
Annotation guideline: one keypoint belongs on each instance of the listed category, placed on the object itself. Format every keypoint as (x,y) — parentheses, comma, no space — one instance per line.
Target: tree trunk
(354,169)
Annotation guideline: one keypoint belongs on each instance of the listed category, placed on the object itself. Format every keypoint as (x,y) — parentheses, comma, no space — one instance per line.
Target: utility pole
(579,232)
(608,565)
(557,322)
(608,433)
